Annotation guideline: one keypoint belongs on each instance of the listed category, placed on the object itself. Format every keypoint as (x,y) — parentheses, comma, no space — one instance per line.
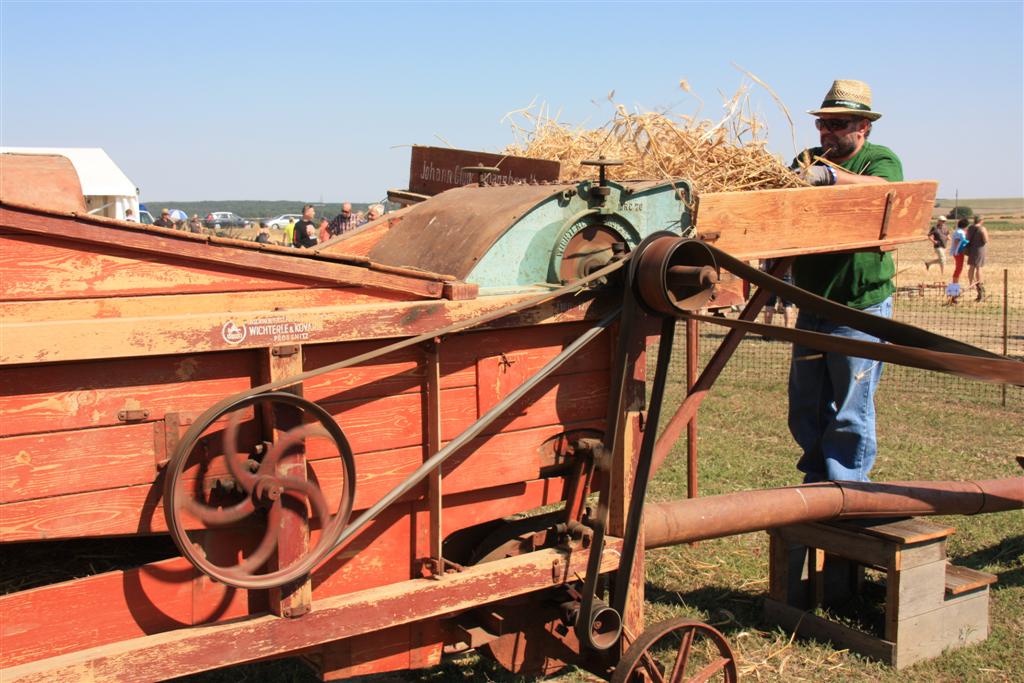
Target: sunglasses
(834,125)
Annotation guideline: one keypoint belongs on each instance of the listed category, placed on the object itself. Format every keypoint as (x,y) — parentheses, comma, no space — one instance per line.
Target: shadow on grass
(727,609)
(1009,551)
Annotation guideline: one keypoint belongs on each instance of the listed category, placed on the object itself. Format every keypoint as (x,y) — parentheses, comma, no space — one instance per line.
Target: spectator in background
(939,235)
(299,234)
(308,238)
(788,307)
(977,243)
(344,221)
(323,233)
(374,212)
(958,248)
(129,216)
(194,224)
(165,220)
(289,233)
(263,236)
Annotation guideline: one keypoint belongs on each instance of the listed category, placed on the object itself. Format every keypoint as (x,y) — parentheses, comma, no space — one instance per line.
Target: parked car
(224,219)
(283,220)
(145,217)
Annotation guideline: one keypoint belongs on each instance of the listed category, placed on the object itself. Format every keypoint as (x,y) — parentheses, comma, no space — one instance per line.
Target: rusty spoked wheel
(675,651)
(226,498)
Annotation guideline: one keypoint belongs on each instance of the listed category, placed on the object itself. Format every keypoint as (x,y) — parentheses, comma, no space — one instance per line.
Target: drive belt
(907,345)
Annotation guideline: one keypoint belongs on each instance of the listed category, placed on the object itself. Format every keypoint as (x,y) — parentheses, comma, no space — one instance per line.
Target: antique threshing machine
(422,437)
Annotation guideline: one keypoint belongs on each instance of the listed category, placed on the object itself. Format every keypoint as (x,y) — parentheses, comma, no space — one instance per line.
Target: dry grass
(716,156)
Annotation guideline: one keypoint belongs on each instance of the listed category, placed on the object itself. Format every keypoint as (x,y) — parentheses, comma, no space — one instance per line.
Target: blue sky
(309,100)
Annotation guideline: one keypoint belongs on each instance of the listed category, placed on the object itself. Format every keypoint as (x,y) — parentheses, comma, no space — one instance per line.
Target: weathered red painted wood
(409,646)
(166,595)
(141,306)
(41,465)
(402,372)
(37,268)
(115,606)
(191,650)
(45,398)
(166,333)
(215,255)
(511,456)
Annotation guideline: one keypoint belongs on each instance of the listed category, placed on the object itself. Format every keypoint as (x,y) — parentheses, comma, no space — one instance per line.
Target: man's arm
(847,178)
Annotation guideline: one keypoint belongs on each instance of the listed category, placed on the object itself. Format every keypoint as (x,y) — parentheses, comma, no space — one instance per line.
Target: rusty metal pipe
(696,519)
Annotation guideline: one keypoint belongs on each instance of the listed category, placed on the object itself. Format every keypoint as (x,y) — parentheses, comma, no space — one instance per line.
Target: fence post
(1006,329)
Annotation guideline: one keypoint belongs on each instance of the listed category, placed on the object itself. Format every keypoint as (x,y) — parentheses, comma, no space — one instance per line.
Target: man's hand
(819,175)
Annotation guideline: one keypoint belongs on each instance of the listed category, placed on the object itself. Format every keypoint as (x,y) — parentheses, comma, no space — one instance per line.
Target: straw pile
(716,156)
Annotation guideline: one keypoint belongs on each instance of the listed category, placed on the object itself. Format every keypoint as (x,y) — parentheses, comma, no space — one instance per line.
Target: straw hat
(848,97)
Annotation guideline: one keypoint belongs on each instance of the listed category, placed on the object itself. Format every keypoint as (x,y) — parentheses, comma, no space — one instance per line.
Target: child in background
(958,247)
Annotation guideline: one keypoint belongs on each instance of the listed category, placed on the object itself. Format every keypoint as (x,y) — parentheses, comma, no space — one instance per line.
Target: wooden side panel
(52,464)
(225,303)
(46,180)
(771,223)
(37,268)
(111,607)
(171,332)
(46,398)
(163,656)
(167,595)
(410,646)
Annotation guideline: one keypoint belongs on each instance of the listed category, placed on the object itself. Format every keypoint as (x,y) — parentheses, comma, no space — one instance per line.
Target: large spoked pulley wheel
(233,484)
(676,651)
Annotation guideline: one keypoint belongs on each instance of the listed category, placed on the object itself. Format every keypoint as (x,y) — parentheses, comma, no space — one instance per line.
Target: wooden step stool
(929,605)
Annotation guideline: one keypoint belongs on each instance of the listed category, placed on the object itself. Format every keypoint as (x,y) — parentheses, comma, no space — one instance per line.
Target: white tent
(108,191)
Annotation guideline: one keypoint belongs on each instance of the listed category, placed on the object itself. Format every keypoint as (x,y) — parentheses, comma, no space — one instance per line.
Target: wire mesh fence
(996,324)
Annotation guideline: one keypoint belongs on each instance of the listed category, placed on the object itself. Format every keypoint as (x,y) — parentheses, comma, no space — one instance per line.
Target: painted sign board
(436,169)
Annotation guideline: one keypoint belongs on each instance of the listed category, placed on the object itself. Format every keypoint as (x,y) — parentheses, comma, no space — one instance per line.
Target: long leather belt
(908,345)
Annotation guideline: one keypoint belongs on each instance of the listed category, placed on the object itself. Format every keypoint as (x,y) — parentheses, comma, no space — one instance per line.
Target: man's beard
(838,147)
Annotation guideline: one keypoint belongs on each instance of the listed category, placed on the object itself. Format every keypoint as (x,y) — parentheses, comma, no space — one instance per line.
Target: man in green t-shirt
(831,396)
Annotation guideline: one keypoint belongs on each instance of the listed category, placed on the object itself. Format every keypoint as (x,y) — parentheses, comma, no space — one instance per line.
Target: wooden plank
(167,595)
(47,398)
(812,626)
(192,650)
(360,242)
(400,648)
(493,460)
(37,269)
(403,371)
(192,303)
(903,531)
(42,465)
(60,618)
(211,254)
(955,625)
(433,170)
(918,554)
(960,580)
(775,223)
(178,333)
(852,546)
(294,598)
(910,592)
(48,180)
(432,410)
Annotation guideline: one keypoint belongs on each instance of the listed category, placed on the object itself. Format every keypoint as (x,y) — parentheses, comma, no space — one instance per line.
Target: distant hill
(991,206)
(249,208)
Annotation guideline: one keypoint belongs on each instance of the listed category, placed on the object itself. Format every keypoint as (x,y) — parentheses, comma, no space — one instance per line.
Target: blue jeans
(832,404)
